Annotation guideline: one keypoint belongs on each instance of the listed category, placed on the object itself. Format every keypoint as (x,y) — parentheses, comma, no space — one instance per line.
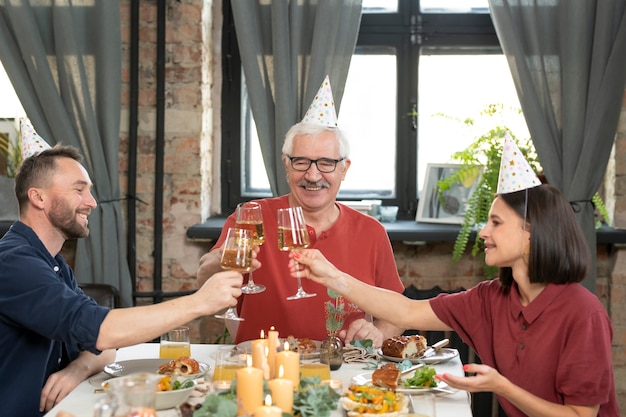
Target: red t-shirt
(356,244)
(558,347)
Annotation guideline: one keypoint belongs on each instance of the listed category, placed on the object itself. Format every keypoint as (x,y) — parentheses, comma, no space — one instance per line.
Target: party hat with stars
(322,111)
(515,172)
(32,143)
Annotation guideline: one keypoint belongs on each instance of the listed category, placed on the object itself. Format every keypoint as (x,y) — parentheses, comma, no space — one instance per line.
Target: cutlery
(434,349)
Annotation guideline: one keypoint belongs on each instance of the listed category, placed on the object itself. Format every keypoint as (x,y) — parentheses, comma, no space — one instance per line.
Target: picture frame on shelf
(449,206)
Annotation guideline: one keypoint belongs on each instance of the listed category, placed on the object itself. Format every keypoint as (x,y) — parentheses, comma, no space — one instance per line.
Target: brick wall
(191,191)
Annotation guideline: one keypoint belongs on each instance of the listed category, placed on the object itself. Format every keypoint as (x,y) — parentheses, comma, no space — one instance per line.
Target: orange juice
(226,372)
(174,350)
(315,369)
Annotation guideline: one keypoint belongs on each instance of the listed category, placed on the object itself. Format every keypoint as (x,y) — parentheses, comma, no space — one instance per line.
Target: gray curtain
(287,47)
(568,60)
(64,61)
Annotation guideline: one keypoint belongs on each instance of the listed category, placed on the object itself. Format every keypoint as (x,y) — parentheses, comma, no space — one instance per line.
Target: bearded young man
(52,336)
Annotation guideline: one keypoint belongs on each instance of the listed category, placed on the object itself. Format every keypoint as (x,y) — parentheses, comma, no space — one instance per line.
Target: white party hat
(515,172)
(32,143)
(322,110)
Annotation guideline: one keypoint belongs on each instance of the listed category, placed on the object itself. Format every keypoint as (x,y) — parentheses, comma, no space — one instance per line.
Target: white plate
(366,379)
(247,347)
(443,355)
(123,368)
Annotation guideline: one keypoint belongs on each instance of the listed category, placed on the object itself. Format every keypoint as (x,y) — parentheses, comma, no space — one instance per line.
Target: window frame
(408,31)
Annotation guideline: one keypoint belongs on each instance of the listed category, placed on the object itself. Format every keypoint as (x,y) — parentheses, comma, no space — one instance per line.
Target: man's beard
(65,219)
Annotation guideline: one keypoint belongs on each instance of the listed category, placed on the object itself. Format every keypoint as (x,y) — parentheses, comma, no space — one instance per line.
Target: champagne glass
(236,256)
(249,216)
(292,234)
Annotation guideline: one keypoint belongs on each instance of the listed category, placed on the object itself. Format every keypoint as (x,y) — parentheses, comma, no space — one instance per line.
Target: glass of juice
(228,360)
(175,343)
(310,369)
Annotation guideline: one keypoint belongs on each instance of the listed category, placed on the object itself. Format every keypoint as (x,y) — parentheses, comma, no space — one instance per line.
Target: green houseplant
(10,154)
(486,151)
(10,158)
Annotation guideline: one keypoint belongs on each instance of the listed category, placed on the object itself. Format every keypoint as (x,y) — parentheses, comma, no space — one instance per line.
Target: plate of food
(443,355)
(187,367)
(307,348)
(171,390)
(369,399)
(414,348)
(414,380)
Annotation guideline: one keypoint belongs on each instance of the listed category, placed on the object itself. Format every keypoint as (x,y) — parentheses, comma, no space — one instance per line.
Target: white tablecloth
(80,402)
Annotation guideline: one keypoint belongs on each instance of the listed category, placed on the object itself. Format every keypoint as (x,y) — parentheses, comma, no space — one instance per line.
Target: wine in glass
(249,216)
(292,234)
(236,256)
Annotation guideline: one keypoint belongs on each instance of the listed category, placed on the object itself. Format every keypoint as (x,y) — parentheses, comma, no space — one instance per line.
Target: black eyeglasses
(325,165)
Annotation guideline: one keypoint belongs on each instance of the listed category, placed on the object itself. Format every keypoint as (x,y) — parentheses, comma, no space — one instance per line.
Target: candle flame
(262,334)
(272,328)
(281,371)
(249,360)
(286,346)
(268,400)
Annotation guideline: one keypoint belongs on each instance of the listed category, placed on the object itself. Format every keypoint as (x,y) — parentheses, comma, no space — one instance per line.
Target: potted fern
(486,151)
(10,158)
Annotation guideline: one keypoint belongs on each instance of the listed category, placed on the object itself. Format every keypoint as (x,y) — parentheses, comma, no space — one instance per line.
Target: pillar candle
(272,344)
(291,364)
(258,353)
(282,392)
(268,410)
(249,389)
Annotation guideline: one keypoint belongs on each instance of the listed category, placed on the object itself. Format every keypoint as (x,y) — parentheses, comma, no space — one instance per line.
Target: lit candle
(268,410)
(290,362)
(258,353)
(249,389)
(272,344)
(282,392)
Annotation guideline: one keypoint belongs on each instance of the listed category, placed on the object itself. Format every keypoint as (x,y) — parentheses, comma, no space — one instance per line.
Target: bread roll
(406,347)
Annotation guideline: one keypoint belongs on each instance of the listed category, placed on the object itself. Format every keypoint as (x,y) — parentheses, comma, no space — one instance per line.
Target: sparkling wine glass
(249,216)
(236,256)
(292,234)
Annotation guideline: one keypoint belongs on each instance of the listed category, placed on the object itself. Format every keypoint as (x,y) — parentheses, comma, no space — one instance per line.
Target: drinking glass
(292,234)
(236,256)
(175,343)
(249,216)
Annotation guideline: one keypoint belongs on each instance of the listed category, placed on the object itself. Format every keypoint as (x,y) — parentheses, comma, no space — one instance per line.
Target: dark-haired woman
(544,340)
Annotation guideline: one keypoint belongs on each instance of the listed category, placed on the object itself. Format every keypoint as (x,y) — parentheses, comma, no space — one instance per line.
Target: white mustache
(305,183)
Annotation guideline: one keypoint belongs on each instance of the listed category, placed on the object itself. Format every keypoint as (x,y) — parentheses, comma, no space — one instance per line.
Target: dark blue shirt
(45,319)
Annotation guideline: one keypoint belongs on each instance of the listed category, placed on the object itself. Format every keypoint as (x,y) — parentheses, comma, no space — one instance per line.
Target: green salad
(424,377)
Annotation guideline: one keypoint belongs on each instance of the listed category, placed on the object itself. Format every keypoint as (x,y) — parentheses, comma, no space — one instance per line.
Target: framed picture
(449,206)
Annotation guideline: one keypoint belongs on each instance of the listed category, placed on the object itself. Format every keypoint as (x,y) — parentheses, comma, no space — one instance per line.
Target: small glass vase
(331,352)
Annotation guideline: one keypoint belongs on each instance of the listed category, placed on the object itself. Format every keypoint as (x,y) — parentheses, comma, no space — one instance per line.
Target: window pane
(368,118)
(454,6)
(10,105)
(380,6)
(254,180)
(444,89)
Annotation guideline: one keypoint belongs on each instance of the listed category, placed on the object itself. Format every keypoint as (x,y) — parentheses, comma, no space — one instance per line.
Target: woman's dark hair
(36,170)
(559,253)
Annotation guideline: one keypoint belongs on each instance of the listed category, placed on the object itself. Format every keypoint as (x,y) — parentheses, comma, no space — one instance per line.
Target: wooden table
(80,402)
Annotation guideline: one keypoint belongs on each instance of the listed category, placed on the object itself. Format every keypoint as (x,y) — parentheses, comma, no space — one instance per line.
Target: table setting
(262,385)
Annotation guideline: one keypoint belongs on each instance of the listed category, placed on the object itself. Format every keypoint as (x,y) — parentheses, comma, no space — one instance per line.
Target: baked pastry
(406,347)
(387,376)
(302,345)
(182,366)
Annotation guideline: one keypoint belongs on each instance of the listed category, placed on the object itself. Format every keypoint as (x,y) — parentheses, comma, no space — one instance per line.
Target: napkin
(354,354)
